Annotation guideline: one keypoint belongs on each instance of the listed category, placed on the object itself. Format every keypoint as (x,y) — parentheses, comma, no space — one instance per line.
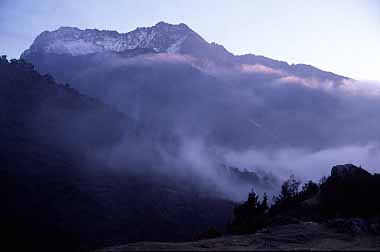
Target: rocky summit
(162,37)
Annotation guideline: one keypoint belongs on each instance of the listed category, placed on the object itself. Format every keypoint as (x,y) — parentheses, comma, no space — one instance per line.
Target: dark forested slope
(55,190)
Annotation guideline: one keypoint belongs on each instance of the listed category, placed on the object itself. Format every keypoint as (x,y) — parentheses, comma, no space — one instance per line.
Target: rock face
(348,170)
(350,191)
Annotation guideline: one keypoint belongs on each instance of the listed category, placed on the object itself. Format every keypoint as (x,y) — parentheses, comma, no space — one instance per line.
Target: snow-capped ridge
(162,37)
(168,38)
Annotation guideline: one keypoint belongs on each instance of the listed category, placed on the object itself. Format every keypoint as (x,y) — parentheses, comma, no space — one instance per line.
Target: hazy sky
(342,36)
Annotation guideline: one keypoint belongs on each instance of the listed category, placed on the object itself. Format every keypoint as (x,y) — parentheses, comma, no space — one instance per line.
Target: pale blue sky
(342,36)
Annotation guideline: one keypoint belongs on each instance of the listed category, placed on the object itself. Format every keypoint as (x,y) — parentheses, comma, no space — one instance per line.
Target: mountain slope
(58,189)
(221,108)
(236,107)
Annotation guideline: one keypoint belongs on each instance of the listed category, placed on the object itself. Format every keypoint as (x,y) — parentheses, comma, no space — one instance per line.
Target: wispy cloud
(260,69)
(307,164)
(365,88)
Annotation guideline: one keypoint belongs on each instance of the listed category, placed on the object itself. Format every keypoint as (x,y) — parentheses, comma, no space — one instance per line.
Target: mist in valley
(194,117)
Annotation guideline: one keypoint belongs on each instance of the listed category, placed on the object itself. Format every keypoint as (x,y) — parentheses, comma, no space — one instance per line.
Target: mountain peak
(67,29)
(163,38)
(168,25)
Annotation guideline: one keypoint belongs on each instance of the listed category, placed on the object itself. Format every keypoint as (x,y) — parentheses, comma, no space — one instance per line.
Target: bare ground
(304,236)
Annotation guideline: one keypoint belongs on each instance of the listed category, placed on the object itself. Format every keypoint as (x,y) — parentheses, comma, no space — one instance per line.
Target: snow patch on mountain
(162,37)
(175,47)
(73,47)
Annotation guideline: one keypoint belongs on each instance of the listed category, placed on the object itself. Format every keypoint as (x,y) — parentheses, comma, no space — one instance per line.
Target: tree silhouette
(309,190)
(250,216)
(3,59)
(263,207)
(289,189)
(253,201)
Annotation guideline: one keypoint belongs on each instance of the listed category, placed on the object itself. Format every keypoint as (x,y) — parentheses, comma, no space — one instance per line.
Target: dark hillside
(56,194)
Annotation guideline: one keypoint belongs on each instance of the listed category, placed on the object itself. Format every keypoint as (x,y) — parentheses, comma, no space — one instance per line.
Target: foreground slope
(303,236)
(341,213)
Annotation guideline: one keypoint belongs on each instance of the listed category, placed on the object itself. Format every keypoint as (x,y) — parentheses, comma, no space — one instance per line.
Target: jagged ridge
(162,37)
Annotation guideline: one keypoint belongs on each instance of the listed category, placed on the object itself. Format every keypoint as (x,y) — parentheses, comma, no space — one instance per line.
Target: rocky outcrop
(351,225)
(348,170)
